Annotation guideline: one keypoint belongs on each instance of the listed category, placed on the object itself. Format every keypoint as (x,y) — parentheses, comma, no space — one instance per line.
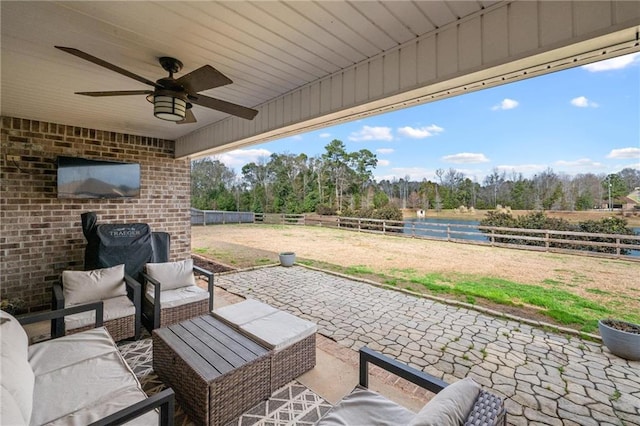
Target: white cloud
(617,63)
(369,133)
(383,163)
(385,150)
(624,153)
(583,163)
(506,104)
(297,137)
(421,132)
(240,157)
(583,102)
(324,135)
(465,158)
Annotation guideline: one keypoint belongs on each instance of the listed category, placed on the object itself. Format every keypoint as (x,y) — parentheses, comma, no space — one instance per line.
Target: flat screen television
(85,178)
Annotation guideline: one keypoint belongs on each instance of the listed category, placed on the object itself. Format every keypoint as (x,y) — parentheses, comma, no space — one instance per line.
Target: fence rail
(217,217)
(568,242)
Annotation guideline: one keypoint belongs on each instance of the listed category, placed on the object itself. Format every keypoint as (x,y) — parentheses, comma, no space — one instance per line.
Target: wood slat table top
(209,346)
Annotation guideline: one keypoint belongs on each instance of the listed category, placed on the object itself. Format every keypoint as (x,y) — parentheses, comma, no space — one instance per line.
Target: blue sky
(581,120)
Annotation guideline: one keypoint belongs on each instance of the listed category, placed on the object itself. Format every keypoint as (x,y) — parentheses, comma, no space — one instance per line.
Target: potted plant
(12,306)
(287,258)
(621,337)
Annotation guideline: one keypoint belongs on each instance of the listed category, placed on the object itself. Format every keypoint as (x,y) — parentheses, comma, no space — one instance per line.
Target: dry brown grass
(610,283)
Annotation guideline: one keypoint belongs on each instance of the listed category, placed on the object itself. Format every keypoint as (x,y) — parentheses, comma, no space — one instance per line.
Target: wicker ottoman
(292,339)
(216,372)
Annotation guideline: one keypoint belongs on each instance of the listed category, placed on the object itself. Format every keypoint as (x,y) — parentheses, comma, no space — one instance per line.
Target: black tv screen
(84,178)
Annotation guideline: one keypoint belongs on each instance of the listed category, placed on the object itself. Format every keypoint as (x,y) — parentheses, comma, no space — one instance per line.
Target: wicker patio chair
(461,403)
(171,294)
(121,295)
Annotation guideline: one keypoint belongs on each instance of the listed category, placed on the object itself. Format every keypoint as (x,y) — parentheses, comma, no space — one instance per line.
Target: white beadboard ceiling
(268,49)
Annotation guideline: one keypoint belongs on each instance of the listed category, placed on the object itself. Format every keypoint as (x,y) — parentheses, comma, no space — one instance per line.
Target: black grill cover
(114,244)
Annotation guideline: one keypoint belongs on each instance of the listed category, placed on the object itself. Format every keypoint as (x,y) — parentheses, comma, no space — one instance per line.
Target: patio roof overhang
(302,65)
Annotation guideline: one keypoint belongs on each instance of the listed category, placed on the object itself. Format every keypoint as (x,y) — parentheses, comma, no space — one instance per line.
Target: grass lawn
(569,290)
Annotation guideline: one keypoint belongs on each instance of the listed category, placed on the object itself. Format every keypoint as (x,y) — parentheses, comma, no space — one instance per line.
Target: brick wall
(41,235)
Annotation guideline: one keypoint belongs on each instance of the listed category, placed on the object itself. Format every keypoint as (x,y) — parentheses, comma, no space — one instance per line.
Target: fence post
(384,227)
(493,237)
(618,247)
(448,232)
(546,241)
(359,223)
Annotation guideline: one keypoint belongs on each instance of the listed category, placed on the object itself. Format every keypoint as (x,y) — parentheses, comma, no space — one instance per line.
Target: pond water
(459,229)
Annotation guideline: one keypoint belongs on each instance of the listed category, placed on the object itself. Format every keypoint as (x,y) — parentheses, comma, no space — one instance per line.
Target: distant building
(631,201)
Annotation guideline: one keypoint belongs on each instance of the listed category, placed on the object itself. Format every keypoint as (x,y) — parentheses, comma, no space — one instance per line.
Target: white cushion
(450,407)
(91,286)
(10,413)
(114,308)
(279,330)
(366,407)
(178,296)
(64,351)
(172,275)
(16,375)
(239,314)
(80,378)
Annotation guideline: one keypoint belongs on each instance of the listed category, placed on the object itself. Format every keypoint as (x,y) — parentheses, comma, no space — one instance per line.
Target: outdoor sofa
(77,379)
(461,403)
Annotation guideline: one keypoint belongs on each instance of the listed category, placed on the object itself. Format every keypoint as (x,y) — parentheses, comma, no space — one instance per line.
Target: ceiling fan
(173,98)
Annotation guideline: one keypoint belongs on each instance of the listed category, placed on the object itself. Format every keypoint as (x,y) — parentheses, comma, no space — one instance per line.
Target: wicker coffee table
(216,372)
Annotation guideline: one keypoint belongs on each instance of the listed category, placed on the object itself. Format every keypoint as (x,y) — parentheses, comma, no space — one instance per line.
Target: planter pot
(624,344)
(287,258)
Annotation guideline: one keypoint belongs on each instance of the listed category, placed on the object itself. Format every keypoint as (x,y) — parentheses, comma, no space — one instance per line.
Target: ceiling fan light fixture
(167,107)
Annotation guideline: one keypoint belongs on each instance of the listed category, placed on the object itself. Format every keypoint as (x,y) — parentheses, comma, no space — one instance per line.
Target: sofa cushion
(178,296)
(10,413)
(172,275)
(113,308)
(279,330)
(239,314)
(17,377)
(62,352)
(366,407)
(87,369)
(450,407)
(91,286)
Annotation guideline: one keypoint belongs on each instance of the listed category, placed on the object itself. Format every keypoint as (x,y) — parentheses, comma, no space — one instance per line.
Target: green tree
(209,178)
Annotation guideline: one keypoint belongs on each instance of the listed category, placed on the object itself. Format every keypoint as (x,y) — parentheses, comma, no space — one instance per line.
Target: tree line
(338,180)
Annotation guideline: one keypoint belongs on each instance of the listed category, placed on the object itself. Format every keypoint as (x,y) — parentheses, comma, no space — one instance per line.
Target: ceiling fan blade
(224,106)
(204,78)
(102,63)
(116,93)
(189,118)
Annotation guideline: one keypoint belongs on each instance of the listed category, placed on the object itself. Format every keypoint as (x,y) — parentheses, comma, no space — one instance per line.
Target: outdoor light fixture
(168,106)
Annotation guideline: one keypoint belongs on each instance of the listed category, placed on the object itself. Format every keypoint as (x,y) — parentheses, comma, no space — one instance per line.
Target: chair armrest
(209,275)
(61,313)
(57,302)
(420,378)
(135,294)
(157,288)
(164,400)
(57,297)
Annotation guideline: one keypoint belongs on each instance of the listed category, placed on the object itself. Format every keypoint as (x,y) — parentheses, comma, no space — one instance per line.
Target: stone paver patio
(546,378)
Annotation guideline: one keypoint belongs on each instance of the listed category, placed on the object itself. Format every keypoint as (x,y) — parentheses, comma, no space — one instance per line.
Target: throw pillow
(172,275)
(450,407)
(92,286)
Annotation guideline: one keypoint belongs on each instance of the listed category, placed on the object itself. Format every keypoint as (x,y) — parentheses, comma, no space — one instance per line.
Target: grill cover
(114,244)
